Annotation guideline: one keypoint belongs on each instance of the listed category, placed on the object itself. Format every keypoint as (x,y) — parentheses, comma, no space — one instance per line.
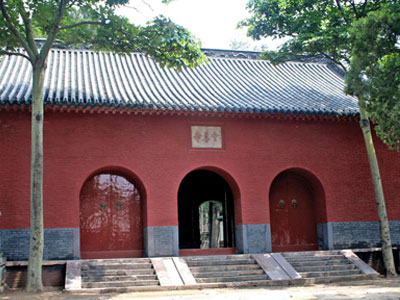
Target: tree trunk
(34,276)
(384,229)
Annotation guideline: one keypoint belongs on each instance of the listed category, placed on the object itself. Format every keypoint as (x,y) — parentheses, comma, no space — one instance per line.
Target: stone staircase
(196,272)
(225,268)
(324,265)
(118,273)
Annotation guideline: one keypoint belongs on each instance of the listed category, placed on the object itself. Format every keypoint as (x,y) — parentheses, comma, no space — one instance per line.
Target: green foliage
(94,23)
(374,75)
(315,27)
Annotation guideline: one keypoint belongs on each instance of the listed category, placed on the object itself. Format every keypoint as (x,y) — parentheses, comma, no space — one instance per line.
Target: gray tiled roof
(85,78)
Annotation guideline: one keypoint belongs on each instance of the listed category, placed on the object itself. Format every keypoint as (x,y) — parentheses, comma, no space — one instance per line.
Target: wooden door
(110,218)
(293,226)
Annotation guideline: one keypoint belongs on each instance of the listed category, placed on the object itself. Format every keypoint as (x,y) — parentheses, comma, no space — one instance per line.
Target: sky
(214,22)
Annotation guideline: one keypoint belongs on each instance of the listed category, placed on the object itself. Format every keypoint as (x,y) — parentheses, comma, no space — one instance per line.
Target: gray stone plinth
(161,241)
(253,238)
(351,235)
(324,232)
(59,243)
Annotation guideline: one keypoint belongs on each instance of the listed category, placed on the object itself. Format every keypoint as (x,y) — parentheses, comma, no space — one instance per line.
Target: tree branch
(80,24)
(134,8)
(342,11)
(28,29)
(363,7)
(335,61)
(2,52)
(72,3)
(53,31)
(15,32)
(354,9)
(148,5)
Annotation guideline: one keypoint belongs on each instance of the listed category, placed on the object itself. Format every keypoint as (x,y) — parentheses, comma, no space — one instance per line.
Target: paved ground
(382,289)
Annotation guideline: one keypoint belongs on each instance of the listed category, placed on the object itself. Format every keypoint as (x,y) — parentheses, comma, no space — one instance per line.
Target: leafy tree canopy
(315,27)
(374,75)
(93,23)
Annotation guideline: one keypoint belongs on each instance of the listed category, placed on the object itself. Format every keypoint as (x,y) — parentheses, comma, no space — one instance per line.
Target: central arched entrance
(110,217)
(293,207)
(205,211)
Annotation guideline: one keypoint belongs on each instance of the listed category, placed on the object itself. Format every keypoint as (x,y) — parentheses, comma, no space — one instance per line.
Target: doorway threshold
(208,251)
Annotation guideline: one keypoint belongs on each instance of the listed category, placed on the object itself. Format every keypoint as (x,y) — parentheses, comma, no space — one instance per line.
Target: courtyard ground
(382,289)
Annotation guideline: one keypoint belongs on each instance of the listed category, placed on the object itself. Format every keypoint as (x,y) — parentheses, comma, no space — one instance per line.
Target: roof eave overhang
(106,109)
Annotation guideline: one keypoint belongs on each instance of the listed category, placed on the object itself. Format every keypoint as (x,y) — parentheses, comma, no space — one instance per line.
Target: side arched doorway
(110,217)
(294,205)
(205,211)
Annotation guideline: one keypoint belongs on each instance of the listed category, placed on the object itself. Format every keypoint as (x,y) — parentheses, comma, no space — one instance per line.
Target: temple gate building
(235,156)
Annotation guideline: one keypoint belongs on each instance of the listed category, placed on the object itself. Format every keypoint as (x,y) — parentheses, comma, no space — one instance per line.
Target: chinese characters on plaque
(206,137)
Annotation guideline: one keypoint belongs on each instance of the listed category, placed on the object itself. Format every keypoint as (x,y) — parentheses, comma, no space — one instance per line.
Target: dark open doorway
(206,212)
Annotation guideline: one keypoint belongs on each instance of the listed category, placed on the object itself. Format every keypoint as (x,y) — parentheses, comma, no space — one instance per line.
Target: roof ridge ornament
(224,53)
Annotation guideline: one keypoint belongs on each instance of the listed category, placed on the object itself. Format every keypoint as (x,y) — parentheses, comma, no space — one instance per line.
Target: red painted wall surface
(156,152)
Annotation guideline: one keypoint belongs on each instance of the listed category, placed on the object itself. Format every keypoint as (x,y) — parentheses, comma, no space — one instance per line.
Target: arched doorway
(205,211)
(292,209)
(110,217)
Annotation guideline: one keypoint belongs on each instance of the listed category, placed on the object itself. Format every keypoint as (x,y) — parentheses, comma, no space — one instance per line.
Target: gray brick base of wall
(253,238)
(161,241)
(342,235)
(59,243)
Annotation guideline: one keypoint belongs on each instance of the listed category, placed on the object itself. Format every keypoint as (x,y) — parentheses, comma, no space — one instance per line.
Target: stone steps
(220,262)
(95,278)
(235,273)
(165,273)
(218,257)
(105,284)
(328,264)
(125,266)
(311,258)
(341,278)
(308,268)
(329,273)
(110,261)
(225,269)
(118,272)
(97,274)
(317,262)
(316,253)
(232,278)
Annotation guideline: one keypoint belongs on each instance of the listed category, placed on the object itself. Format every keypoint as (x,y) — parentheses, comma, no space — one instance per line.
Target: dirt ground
(382,289)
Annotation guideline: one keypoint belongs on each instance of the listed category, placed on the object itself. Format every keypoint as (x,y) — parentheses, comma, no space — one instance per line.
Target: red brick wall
(52,275)
(156,151)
